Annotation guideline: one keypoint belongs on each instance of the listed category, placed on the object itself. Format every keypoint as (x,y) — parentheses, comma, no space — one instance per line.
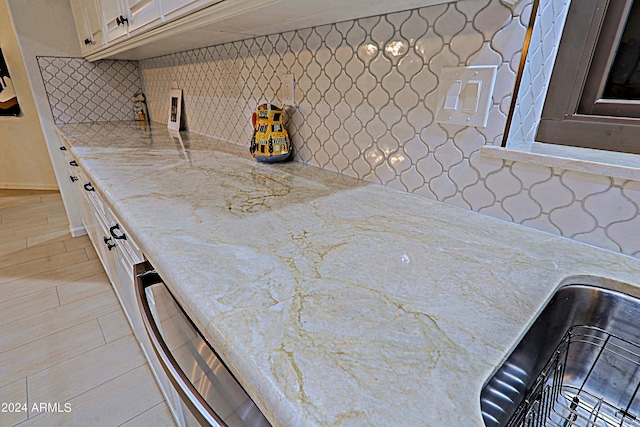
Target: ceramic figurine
(270,141)
(140,107)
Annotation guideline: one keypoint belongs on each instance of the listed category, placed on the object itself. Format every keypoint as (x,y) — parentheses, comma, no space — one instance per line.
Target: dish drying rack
(561,397)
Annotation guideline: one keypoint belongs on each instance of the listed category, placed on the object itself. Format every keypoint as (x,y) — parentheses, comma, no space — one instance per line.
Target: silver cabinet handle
(200,409)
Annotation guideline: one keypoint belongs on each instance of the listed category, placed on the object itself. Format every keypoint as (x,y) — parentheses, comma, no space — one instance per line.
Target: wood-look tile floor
(67,354)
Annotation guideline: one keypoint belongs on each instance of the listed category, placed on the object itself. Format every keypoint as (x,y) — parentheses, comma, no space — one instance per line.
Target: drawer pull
(89,187)
(73,163)
(109,243)
(121,20)
(73,178)
(63,148)
(119,235)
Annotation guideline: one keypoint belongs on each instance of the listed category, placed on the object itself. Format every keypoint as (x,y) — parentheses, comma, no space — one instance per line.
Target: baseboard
(77,231)
(6,186)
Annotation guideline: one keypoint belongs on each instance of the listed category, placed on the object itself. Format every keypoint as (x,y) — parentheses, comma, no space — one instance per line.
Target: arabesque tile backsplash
(80,91)
(366,96)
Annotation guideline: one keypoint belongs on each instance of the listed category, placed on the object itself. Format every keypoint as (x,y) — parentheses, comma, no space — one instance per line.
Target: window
(594,93)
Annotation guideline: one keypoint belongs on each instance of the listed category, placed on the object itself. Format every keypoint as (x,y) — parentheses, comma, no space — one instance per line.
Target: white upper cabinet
(115,19)
(159,27)
(172,9)
(86,14)
(142,13)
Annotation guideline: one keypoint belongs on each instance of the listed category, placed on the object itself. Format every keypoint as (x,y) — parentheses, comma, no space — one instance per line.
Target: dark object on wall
(8,99)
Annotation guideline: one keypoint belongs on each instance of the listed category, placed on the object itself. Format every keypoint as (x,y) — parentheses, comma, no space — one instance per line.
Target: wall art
(175,110)
(8,100)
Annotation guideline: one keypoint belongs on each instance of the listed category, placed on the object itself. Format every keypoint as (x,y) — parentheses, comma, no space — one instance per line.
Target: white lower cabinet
(118,253)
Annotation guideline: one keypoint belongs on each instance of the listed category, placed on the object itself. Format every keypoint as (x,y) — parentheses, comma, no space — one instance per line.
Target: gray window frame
(573,113)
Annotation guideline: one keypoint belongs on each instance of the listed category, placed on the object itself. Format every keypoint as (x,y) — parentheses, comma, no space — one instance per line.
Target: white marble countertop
(334,301)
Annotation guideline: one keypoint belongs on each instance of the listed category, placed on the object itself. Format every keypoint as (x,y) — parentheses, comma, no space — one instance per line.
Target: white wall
(42,28)
(24,163)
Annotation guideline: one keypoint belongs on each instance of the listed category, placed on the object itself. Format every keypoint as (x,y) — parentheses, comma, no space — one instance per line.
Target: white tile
(471,8)
(503,183)
(609,207)
(466,43)
(542,223)
(478,196)
(631,189)
(400,162)
(450,23)
(495,125)
(521,207)
(469,141)
(411,179)
(448,155)
(505,83)
(412,25)
(598,237)
(627,235)
(572,220)
(510,38)
(442,186)
(497,211)
(551,194)
(530,174)
(491,18)
(463,175)
(429,168)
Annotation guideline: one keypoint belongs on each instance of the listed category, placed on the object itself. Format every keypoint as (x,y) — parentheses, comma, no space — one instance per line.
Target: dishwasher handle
(199,408)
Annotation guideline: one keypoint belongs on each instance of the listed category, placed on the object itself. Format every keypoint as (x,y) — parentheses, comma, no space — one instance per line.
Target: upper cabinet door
(115,18)
(175,8)
(142,13)
(86,14)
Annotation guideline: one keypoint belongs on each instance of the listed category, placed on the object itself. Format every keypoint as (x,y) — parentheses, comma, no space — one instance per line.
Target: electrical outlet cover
(288,82)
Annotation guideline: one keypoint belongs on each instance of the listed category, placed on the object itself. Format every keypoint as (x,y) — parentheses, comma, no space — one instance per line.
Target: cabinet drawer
(130,249)
(90,192)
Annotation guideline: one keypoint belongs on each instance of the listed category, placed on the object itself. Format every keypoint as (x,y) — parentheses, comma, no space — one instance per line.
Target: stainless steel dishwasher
(206,389)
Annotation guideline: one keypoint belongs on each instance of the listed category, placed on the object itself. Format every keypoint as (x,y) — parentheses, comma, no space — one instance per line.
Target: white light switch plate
(474,86)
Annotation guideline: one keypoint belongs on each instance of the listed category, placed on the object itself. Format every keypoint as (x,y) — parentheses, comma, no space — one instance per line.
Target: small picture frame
(175,109)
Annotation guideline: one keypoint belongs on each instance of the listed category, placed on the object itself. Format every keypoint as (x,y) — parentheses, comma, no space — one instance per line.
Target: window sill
(608,163)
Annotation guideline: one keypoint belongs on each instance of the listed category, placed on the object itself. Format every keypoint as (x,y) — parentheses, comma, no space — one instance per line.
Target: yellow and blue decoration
(270,141)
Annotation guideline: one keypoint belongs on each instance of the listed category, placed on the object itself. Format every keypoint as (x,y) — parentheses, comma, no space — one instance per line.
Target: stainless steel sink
(578,365)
